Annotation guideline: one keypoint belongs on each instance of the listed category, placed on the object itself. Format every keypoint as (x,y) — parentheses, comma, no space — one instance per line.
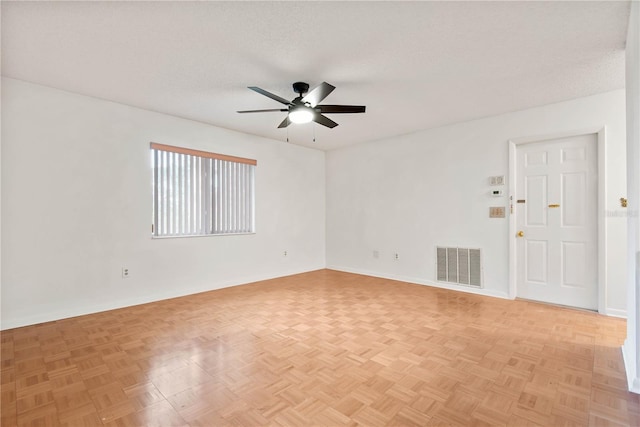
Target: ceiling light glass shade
(301,115)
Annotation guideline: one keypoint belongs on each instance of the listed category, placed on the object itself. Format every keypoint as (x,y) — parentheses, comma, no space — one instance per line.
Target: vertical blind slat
(183,194)
(192,189)
(196,195)
(176,195)
(210,192)
(223,197)
(216,195)
(215,183)
(180,194)
(206,199)
(164,193)
(229,198)
(241,197)
(246,193)
(167,187)
(249,213)
(252,188)
(169,195)
(236,201)
(187,192)
(154,168)
(235,197)
(200,194)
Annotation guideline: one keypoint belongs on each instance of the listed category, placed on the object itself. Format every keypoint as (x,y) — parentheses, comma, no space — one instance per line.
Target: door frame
(600,132)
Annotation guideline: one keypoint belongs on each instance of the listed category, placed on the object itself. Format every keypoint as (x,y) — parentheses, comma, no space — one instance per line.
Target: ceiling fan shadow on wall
(307,108)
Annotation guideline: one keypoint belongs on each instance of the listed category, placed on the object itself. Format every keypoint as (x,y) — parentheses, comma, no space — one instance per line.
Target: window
(199,193)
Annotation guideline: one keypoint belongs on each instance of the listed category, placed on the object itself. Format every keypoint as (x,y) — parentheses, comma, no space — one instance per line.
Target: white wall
(76,208)
(411,193)
(631,348)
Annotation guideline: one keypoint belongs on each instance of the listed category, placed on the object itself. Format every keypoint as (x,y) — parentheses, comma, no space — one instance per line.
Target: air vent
(459,265)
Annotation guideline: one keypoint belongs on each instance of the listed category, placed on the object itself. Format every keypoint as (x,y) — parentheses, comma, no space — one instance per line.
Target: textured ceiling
(415,65)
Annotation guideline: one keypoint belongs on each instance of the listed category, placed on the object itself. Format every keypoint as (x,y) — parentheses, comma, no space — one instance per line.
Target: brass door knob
(520,233)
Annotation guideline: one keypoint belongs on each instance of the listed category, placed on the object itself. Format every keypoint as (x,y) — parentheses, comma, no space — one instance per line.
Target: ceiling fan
(307,108)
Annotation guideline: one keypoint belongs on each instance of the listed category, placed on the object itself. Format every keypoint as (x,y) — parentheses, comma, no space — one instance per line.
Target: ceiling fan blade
(324,121)
(318,93)
(270,95)
(286,122)
(262,111)
(337,109)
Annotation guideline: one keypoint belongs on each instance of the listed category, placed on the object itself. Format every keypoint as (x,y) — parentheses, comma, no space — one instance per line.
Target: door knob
(520,233)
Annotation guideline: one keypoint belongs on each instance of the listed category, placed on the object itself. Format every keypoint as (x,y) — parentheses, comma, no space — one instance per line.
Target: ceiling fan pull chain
(314,131)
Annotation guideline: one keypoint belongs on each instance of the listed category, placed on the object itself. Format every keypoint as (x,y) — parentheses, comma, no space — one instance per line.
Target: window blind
(200,193)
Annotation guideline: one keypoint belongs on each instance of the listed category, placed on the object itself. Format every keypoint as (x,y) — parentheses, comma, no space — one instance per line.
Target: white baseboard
(66,313)
(96,308)
(613,312)
(417,281)
(633,377)
(616,312)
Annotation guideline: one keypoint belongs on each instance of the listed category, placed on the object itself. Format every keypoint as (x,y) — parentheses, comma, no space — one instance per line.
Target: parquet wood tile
(79,415)
(320,349)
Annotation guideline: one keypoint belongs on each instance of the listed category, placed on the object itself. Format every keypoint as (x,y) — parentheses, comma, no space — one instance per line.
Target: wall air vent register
(462,266)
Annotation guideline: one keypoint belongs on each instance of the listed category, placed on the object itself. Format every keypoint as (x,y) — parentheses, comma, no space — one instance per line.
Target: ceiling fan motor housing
(301,87)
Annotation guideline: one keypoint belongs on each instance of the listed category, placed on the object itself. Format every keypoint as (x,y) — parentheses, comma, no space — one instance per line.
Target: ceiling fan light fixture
(301,115)
(307,108)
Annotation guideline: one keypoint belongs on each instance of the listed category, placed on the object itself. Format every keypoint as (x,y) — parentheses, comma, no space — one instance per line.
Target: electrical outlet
(125,273)
(376,254)
(284,253)
(396,256)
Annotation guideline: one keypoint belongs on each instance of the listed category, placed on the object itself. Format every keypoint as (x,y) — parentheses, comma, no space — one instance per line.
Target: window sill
(201,235)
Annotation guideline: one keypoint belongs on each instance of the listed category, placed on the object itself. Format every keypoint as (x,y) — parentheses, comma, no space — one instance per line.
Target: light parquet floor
(323,348)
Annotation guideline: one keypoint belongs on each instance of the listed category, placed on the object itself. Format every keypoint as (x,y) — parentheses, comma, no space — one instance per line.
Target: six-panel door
(556,202)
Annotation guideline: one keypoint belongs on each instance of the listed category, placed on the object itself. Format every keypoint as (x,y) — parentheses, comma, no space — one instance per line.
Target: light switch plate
(496,212)
(496,180)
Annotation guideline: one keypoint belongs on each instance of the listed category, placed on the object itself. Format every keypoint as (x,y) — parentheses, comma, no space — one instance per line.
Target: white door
(556,218)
